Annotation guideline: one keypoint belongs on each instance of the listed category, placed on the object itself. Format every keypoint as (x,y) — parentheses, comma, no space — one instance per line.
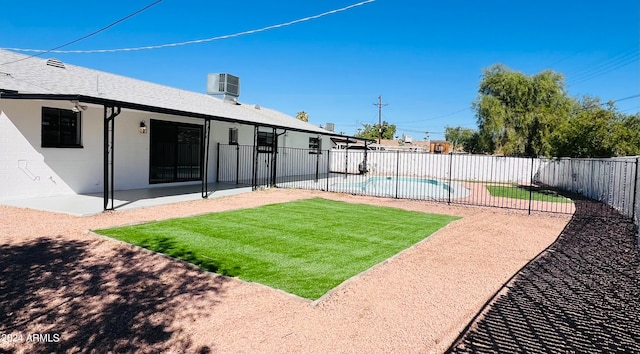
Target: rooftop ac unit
(330,127)
(223,84)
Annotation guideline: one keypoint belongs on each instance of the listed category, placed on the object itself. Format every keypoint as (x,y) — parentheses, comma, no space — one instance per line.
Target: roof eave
(152,109)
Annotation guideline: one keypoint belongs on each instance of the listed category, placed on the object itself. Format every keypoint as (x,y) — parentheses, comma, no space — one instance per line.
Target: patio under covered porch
(91,204)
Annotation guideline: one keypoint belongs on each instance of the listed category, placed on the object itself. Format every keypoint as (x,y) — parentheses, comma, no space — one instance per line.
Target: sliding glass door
(176,152)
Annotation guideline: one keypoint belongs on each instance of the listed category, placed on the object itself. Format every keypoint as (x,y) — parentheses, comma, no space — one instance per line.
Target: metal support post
(205,157)
(110,114)
(531,186)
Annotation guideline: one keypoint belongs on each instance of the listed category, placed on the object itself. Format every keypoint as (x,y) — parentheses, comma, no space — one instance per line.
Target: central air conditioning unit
(330,127)
(223,84)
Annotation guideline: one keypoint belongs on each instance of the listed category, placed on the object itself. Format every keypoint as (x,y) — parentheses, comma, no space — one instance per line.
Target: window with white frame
(233,136)
(315,145)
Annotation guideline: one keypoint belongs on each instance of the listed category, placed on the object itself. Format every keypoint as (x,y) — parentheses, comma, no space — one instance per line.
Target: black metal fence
(532,184)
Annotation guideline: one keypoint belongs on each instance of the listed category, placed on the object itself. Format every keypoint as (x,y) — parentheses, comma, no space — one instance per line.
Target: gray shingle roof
(34,76)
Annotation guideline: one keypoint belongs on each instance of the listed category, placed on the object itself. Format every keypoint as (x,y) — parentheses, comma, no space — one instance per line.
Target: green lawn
(522,192)
(304,247)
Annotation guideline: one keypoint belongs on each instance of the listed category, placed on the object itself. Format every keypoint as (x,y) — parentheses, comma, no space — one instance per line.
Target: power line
(619,61)
(438,117)
(620,99)
(55,50)
(630,109)
(621,56)
(418,131)
(626,98)
(197,41)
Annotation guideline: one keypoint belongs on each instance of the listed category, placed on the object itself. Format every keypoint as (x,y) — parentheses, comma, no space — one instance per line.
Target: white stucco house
(66,129)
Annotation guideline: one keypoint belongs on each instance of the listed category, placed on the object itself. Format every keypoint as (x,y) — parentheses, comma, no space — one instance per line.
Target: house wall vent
(56,63)
(223,84)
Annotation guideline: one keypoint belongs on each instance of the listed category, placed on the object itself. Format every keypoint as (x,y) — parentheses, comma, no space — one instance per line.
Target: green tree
(476,144)
(303,116)
(516,113)
(585,132)
(370,131)
(457,136)
(596,131)
(626,135)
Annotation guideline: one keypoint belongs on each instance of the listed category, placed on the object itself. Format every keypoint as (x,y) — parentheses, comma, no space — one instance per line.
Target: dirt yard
(79,292)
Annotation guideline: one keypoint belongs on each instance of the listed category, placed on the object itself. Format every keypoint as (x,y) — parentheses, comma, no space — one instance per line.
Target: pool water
(404,187)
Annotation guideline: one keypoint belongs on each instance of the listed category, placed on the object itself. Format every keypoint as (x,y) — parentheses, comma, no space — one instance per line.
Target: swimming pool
(403,187)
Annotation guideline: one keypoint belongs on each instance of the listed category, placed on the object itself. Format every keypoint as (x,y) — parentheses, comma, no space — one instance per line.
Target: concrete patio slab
(91,204)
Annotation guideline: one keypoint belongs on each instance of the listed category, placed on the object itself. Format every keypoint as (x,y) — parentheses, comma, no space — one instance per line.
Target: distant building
(440,146)
(402,145)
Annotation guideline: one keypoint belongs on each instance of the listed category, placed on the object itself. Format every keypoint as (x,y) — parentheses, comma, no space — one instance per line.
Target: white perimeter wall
(611,181)
(456,166)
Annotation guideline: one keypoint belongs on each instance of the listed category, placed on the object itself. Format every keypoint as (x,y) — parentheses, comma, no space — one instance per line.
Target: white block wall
(611,181)
(457,166)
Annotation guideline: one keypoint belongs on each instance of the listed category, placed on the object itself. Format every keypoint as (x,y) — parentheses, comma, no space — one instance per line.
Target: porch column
(110,114)
(205,155)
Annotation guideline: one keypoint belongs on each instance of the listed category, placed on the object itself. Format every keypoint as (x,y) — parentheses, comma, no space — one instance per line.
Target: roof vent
(56,63)
(256,106)
(223,84)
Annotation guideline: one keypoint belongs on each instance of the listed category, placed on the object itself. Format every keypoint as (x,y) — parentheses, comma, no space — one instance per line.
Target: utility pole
(380,105)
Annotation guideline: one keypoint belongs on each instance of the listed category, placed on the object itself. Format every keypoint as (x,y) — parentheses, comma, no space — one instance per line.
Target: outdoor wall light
(143,128)
(77,107)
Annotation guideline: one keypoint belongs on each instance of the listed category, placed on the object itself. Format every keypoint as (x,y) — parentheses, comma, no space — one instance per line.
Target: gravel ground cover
(582,295)
(62,288)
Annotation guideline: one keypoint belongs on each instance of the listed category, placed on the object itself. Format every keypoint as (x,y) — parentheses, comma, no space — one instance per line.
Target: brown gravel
(102,295)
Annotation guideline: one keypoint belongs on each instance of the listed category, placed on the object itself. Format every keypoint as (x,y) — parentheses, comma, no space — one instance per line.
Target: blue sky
(424,57)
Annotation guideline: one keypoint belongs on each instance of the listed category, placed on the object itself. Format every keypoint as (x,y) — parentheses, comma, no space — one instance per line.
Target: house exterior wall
(29,170)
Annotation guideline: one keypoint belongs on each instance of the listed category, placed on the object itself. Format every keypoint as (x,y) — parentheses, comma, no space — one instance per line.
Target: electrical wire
(630,109)
(607,62)
(619,61)
(438,117)
(197,41)
(625,98)
(55,50)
